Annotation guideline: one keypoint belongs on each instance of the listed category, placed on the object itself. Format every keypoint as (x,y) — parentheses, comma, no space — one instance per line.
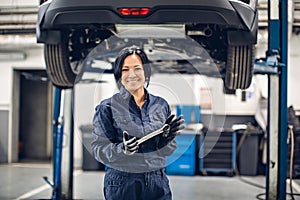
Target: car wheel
(228,91)
(63,59)
(239,68)
(58,65)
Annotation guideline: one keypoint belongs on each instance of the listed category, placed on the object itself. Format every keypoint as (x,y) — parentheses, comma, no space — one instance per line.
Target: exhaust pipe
(207,32)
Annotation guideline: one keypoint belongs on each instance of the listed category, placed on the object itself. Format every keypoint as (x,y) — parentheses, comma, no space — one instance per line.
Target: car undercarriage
(227,32)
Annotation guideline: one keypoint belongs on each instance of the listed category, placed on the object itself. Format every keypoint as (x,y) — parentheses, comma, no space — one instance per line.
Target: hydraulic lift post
(63,129)
(68,147)
(277,106)
(58,126)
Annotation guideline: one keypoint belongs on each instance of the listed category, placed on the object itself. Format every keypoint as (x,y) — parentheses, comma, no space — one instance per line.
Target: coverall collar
(126,95)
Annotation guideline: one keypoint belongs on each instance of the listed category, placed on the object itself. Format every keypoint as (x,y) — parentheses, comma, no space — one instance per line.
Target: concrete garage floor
(24,181)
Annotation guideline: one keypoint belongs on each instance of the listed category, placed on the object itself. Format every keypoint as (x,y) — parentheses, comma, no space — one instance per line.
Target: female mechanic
(135,169)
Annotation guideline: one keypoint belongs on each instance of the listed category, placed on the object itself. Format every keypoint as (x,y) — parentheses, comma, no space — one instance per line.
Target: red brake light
(133,11)
(42,1)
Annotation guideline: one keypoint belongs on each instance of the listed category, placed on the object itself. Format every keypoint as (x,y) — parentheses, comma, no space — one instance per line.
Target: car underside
(227,32)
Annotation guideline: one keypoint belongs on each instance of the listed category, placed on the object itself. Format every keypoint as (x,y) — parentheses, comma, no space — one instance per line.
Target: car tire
(63,60)
(239,67)
(58,65)
(228,91)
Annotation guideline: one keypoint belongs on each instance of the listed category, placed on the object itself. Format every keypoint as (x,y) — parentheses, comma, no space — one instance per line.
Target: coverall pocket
(123,122)
(157,120)
(114,184)
(157,116)
(114,179)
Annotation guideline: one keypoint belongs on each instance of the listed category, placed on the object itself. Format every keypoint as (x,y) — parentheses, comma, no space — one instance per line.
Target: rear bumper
(58,15)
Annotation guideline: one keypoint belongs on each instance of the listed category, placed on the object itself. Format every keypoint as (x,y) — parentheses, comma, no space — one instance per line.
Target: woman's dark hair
(120,60)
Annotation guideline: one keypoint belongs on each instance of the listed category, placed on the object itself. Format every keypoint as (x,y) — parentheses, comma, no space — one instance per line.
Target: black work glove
(176,126)
(130,145)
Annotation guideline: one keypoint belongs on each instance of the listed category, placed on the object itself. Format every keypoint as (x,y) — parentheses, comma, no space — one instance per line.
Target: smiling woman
(133,77)
(135,165)
(132,65)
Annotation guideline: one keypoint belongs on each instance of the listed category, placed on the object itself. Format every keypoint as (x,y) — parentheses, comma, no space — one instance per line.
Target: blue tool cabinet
(217,152)
(183,160)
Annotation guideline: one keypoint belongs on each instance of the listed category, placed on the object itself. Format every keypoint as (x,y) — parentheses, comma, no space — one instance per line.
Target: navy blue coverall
(141,175)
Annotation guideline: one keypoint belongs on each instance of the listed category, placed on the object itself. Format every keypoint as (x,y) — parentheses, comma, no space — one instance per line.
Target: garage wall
(294,72)
(19,2)
(3,136)
(33,59)
(28,56)
(5,83)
